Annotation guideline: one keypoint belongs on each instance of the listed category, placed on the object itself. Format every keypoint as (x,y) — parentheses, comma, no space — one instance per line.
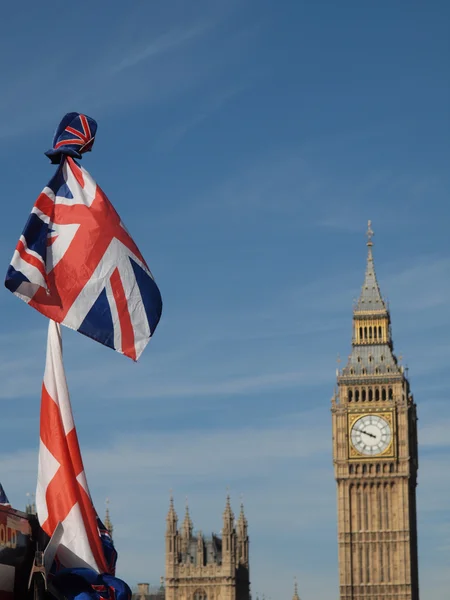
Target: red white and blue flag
(76,263)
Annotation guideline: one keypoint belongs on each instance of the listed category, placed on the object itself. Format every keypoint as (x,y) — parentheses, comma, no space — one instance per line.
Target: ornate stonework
(375,459)
(214,568)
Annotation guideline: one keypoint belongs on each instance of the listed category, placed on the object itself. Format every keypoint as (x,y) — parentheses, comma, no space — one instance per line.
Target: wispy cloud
(162,44)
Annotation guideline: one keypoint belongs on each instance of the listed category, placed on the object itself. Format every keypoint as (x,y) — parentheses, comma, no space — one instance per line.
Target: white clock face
(371,435)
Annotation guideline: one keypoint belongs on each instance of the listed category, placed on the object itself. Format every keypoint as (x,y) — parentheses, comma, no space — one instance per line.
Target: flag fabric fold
(84,584)
(76,263)
(3,497)
(62,491)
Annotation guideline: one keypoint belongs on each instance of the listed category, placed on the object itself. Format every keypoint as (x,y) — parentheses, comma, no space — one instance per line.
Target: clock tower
(375,458)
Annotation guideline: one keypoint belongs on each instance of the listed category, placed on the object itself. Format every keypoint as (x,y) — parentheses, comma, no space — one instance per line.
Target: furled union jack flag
(76,263)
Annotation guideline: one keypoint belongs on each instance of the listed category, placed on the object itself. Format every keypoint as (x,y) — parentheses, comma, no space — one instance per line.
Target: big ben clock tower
(375,459)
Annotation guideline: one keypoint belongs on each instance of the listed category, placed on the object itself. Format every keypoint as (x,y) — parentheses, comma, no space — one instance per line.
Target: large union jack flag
(76,263)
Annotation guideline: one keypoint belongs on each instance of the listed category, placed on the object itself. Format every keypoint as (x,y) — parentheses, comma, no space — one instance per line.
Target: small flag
(76,263)
(84,584)
(62,491)
(3,497)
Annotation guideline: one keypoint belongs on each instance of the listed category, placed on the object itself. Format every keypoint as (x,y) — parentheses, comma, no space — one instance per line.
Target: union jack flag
(76,263)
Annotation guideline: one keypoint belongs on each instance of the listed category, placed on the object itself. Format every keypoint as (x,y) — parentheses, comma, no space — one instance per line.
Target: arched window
(370,332)
(360,333)
(379,333)
(390,395)
(391,468)
(363,395)
(350,469)
(356,395)
(377,394)
(378,468)
(200,595)
(364,469)
(350,395)
(364,371)
(375,333)
(365,333)
(383,394)
(370,395)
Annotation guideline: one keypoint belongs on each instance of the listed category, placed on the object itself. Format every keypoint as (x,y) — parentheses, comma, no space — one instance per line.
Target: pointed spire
(370,299)
(108,524)
(228,512)
(295,596)
(172,517)
(228,517)
(242,521)
(187,526)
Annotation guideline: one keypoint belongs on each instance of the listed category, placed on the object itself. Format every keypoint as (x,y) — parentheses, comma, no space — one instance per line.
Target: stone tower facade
(375,459)
(207,568)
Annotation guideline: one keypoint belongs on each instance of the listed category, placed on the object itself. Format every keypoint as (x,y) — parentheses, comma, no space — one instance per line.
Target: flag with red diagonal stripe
(62,491)
(76,263)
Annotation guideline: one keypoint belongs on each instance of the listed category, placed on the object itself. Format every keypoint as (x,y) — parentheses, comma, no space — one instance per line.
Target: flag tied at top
(76,263)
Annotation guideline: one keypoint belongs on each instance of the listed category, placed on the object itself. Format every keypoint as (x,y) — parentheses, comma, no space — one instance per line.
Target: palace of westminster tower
(207,568)
(375,459)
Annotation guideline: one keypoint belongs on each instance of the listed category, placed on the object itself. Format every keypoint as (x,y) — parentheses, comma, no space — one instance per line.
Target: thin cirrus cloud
(163,44)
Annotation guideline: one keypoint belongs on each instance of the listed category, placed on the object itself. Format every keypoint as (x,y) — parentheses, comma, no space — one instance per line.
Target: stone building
(375,458)
(207,568)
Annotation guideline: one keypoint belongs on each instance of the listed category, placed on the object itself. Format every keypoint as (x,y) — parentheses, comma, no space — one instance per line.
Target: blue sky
(245,145)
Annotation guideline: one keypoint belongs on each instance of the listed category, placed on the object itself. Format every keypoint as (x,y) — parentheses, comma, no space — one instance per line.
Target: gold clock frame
(389,452)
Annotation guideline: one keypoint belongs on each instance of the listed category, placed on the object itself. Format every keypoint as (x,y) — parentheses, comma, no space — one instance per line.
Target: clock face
(371,435)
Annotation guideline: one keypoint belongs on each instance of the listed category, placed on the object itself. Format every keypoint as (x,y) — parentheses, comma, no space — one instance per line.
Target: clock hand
(367,433)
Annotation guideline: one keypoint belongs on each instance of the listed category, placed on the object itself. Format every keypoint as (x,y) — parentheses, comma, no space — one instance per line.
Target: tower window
(370,358)
(377,371)
(370,332)
(356,395)
(377,394)
(359,359)
(383,394)
(200,595)
(379,333)
(375,332)
(365,333)
(382,357)
(370,395)
(363,395)
(360,333)
(352,371)
(364,371)
(350,395)
(391,397)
